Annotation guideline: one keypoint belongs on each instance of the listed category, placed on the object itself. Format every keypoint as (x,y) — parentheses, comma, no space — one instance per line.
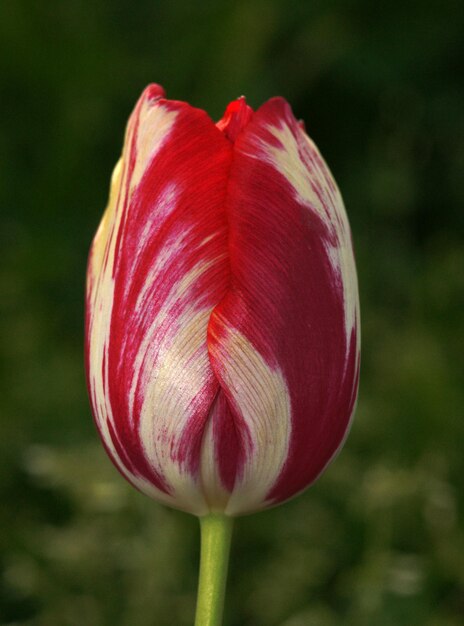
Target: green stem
(216,533)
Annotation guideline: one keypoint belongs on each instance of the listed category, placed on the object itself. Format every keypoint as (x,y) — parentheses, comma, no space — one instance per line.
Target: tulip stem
(216,533)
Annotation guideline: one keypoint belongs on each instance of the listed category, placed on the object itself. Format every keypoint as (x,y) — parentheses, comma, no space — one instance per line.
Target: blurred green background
(380,538)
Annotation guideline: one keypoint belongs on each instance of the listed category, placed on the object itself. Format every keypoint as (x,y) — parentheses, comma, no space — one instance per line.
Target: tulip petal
(158,266)
(284,341)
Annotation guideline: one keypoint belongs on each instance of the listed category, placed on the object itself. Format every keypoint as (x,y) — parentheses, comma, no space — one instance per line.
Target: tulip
(222,317)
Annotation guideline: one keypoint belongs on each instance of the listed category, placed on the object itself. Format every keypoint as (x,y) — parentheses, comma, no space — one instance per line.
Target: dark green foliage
(380,538)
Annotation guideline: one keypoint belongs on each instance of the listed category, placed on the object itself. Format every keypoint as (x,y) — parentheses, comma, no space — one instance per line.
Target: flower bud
(222,318)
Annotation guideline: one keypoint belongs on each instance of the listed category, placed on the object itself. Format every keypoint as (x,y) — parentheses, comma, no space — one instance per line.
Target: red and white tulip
(222,326)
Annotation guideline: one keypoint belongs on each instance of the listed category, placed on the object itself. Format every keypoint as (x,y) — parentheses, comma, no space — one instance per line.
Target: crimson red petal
(293,291)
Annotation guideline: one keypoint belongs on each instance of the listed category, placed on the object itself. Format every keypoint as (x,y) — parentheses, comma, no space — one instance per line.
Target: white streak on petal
(165,328)
(261,397)
(299,161)
(165,205)
(155,123)
(163,418)
(101,291)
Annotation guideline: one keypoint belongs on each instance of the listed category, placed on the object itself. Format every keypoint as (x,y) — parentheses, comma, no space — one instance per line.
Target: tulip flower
(222,318)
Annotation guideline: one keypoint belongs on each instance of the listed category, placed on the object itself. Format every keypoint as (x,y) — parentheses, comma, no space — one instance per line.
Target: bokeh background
(380,538)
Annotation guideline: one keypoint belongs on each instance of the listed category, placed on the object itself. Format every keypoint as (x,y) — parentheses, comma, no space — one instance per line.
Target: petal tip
(153,91)
(236,117)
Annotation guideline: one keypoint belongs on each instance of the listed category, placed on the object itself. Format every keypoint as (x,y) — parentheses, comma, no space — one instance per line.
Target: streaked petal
(291,310)
(260,405)
(158,266)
